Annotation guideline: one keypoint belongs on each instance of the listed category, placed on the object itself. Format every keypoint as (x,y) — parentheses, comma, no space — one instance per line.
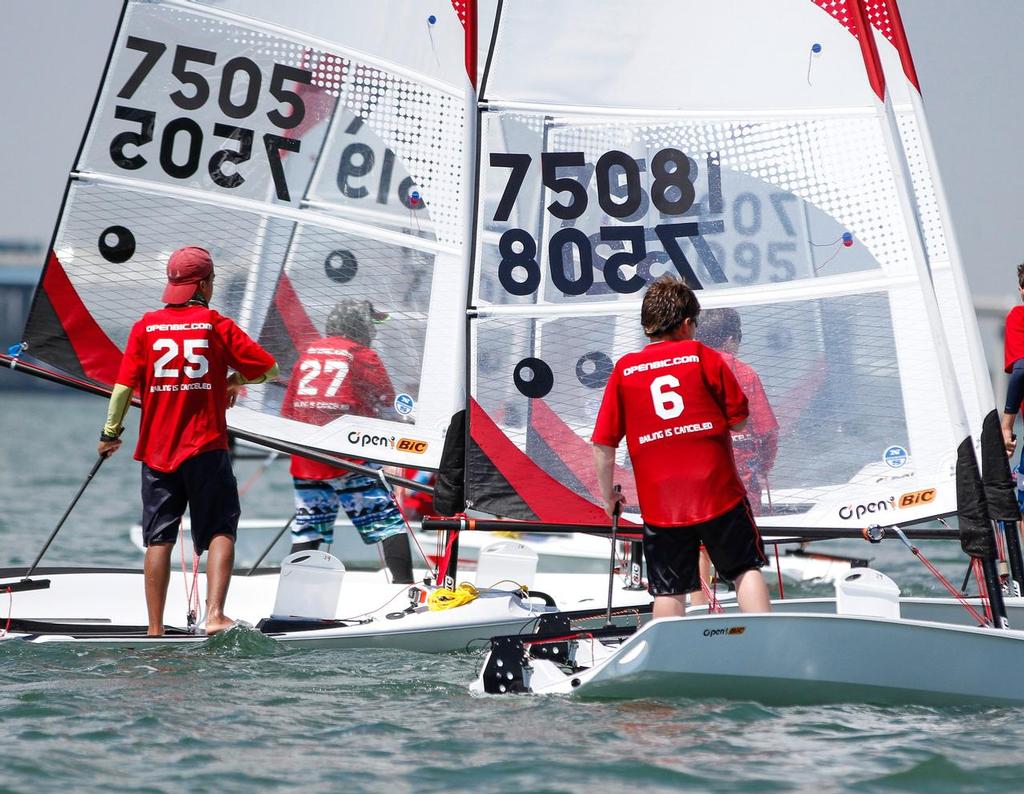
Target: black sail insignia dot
(533,378)
(116,244)
(341,266)
(593,369)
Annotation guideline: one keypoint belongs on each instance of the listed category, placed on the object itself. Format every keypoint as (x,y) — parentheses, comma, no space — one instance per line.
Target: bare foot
(155,632)
(217,625)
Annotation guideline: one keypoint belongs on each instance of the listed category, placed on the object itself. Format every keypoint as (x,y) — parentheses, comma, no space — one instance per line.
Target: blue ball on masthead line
(815,48)
(432,19)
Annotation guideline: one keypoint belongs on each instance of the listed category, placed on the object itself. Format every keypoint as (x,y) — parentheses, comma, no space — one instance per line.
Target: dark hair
(351,319)
(717,325)
(1020,275)
(667,303)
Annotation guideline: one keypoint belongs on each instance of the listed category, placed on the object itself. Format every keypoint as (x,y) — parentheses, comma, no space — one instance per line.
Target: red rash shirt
(674,403)
(753,449)
(1013,347)
(335,376)
(178,358)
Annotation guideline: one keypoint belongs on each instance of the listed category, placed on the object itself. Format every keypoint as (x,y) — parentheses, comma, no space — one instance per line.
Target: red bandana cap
(186,268)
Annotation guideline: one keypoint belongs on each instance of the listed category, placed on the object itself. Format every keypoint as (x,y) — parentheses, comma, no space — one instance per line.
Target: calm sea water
(239,712)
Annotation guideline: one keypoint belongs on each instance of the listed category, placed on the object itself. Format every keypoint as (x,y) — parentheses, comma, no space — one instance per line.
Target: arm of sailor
(1014,397)
(110,438)
(236,380)
(604,463)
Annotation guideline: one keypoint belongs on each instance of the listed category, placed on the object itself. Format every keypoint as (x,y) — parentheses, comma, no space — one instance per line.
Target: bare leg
(698,599)
(752,592)
(671,606)
(219,562)
(157,573)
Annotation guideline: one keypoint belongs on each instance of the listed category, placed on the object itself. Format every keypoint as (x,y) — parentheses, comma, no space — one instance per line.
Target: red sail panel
(547,498)
(98,356)
(575,453)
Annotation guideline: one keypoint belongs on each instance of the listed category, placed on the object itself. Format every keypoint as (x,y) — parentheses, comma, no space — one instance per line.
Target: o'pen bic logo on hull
(731,631)
(895,457)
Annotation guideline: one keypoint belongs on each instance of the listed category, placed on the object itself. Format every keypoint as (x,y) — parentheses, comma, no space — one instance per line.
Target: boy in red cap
(341,374)
(178,358)
(676,401)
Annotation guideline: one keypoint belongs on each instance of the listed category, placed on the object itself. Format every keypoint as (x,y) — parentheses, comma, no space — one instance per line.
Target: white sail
(789,208)
(932,212)
(228,125)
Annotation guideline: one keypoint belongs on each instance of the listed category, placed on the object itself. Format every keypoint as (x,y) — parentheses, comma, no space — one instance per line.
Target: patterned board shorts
(364,499)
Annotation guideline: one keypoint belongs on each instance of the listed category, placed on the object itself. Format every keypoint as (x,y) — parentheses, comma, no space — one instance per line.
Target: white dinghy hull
(106,607)
(797,659)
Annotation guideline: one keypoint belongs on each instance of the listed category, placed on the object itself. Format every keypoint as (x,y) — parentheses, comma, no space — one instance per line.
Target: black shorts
(673,553)
(206,485)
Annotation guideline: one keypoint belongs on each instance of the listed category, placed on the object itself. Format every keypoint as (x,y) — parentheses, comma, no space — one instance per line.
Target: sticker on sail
(895,457)
(404,404)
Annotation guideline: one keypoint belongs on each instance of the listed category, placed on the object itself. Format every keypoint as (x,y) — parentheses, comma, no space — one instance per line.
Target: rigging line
(10,608)
(408,527)
(778,571)
(258,473)
(943,580)
(979,574)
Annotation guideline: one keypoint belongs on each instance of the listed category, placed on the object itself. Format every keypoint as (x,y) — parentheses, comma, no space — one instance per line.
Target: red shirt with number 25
(674,402)
(178,358)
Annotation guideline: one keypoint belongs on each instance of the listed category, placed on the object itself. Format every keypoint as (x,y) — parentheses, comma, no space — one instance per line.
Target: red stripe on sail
(851,15)
(100,358)
(885,16)
(466,10)
(576,453)
(300,328)
(551,501)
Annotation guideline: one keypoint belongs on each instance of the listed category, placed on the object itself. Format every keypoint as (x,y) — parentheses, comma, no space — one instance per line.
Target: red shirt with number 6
(178,359)
(674,402)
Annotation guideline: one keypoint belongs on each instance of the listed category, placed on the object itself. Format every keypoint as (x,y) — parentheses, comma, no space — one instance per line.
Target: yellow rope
(443,598)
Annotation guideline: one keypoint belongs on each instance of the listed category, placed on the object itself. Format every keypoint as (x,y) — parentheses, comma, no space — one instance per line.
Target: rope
(408,527)
(191,593)
(979,574)
(10,609)
(709,593)
(942,579)
(444,598)
(778,570)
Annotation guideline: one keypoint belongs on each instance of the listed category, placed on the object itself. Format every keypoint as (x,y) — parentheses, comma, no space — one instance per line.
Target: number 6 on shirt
(667,403)
(199,365)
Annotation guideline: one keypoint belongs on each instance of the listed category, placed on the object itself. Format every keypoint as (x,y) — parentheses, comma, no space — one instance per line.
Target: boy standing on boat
(178,358)
(341,374)
(675,401)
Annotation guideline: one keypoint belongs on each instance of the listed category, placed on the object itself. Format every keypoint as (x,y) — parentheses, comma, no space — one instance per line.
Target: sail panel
(211,129)
(844,379)
(777,197)
(689,55)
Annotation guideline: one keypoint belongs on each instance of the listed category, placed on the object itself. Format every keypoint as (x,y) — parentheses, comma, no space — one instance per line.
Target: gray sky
(967,54)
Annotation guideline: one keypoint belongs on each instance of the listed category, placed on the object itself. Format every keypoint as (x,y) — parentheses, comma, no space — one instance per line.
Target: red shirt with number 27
(674,402)
(178,359)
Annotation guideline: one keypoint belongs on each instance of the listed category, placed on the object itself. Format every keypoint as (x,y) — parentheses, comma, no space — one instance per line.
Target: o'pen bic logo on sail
(895,457)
